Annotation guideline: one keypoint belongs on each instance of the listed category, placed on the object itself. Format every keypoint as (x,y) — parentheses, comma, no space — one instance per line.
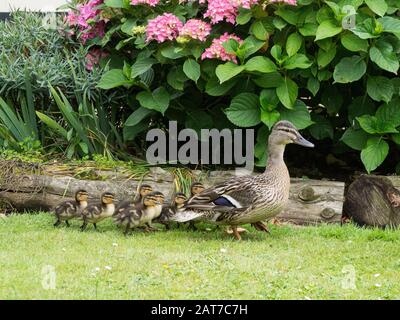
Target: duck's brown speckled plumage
(68,210)
(96,212)
(252,198)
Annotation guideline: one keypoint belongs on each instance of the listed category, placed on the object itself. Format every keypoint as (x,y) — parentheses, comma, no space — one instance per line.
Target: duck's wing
(234,193)
(67,207)
(209,212)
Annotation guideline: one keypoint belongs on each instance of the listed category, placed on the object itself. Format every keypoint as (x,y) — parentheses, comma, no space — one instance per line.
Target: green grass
(291,262)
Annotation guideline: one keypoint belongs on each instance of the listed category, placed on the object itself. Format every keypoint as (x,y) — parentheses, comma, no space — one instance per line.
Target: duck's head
(284,132)
(196,188)
(81,195)
(150,200)
(145,189)
(159,196)
(107,198)
(180,198)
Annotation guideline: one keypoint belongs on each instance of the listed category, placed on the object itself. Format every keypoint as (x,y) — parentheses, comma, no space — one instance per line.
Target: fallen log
(311,201)
(373,201)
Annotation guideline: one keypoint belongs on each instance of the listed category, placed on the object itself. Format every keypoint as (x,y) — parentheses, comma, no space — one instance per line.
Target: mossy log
(311,201)
(373,201)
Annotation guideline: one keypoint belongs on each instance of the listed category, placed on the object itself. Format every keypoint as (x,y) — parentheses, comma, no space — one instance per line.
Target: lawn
(325,262)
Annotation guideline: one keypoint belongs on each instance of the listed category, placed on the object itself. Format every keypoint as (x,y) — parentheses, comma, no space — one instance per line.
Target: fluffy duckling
(195,189)
(135,215)
(94,213)
(160,199)
(143,190)
(68,210)
(169,210)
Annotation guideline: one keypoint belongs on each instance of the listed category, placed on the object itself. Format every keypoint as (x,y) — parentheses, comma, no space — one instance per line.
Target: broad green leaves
(380,88)
(349,69)
(377,6)
(157,100)
(112,79)
(287,92)
(327,29)
(384,56)
(260,64)
(374,154)
(244,110)
(192,69)
(353,43)
(293,44)
(227,71)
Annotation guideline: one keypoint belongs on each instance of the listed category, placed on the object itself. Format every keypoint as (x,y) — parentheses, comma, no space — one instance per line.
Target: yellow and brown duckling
(170,210)
(144,189)
(97,212)
(195,189)
(141,214)
(68,210)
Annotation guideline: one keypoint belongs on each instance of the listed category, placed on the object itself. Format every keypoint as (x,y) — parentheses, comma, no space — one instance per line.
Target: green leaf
(243,17)
(176,78)
(259,31)
(396,138)
(141,66)
(227,71)
(157,100)
(382,54)
(137,116)
(390,24)
(322,128)
(327,29)
(287,14)
(128,25)
(353,43)
(269,80)
(299,115)
(349,69)
(268,99)
(215,89)
(260,64)
(276,52)
(374,153)
(269,118)
(325,57)
(287,92)
(380,88)
(313,85)
(355,138)
(244,110)
(360,106)
(249,46)
(377,6)
(366,29)
(192,69)
(299,61)
(293,44)
(198,119)
(389,113)
(308,29)
(115,4)
(112,79)
(373,125)
(52,124)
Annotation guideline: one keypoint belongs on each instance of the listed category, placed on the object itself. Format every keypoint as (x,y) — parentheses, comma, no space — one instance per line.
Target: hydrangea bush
(328,66)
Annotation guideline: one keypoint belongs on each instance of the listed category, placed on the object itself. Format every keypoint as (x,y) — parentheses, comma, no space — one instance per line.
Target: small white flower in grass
(208,229)
(376,275)
(378,285)
(107,268)
(63,249)
(97,269)
(307,298)
(223,250)
(115,244)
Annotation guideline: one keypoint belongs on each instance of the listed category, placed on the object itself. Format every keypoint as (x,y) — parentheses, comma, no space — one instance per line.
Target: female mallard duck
(97,212)
(251,199)
(169,210)
(138,214)
(68,210)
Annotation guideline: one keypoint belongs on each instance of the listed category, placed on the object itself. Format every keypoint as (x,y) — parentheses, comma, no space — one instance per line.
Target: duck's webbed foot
(260,226)
(67,223)
(57,223)
(236,231)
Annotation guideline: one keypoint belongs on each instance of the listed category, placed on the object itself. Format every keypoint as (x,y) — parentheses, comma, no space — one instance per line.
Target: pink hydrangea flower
(92,32)
(162,28)
(195,29)
(71,18)
(151,3)
(217,51)
(93,57)
(219,10)
(291,2)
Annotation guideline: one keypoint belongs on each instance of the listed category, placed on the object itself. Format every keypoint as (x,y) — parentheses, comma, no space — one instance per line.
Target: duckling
(160,199)
(68,210)
(143,190)
(138,214)
(195,188)
(170,210)
(97,212)
(249,199)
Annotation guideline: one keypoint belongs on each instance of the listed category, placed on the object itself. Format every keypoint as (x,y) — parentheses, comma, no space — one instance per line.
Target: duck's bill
(303,142)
